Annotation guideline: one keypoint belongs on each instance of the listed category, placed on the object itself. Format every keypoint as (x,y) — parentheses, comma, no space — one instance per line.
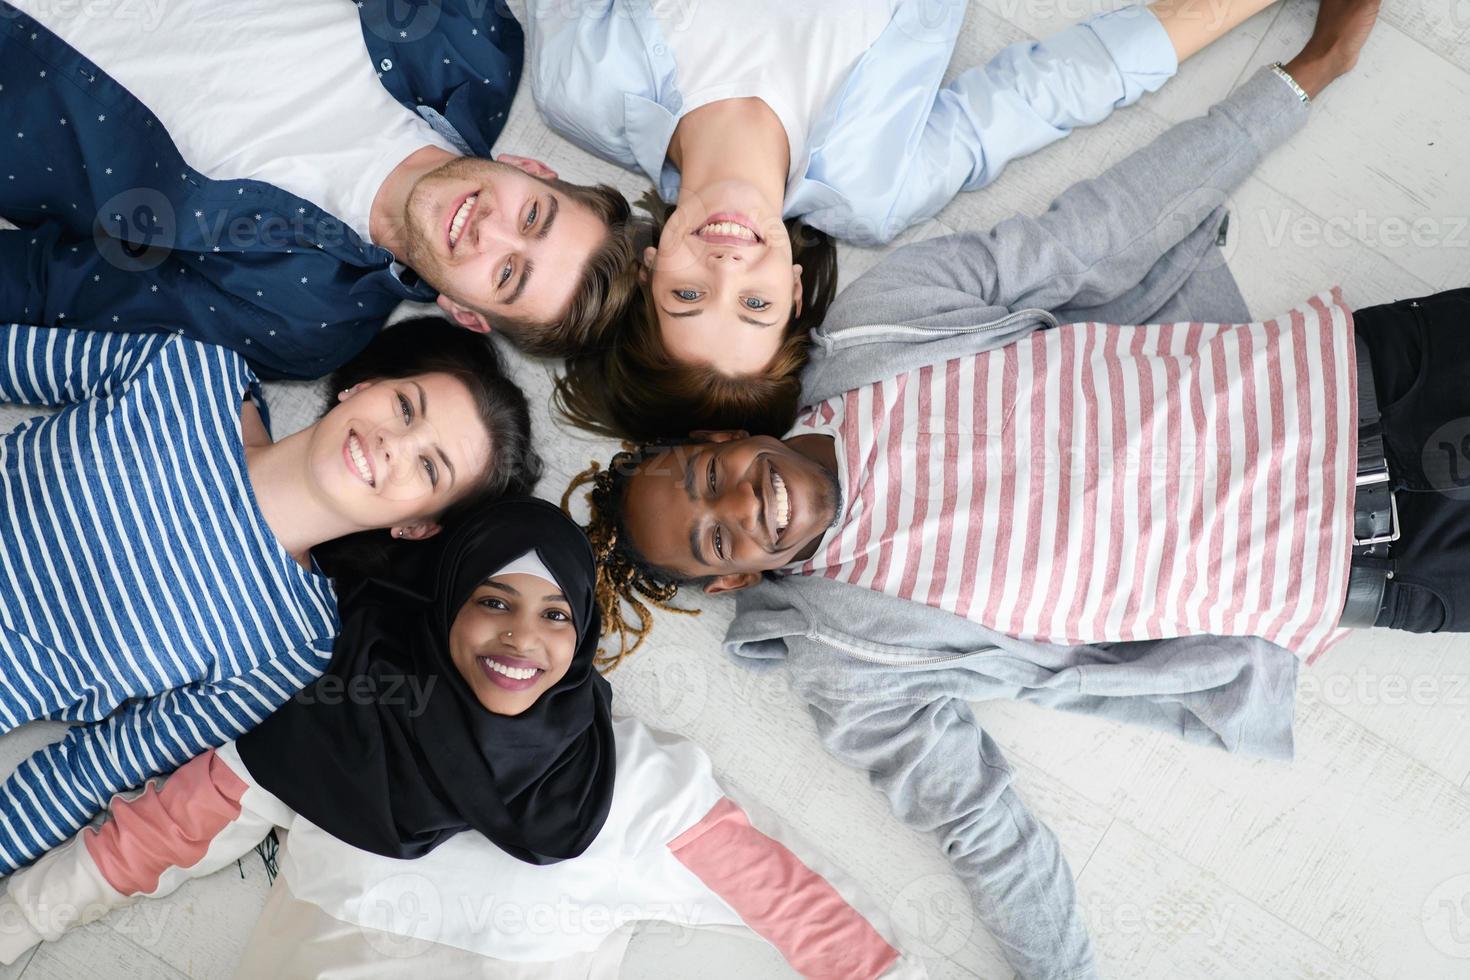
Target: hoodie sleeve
(206,815)
(1137,229)
(943,775)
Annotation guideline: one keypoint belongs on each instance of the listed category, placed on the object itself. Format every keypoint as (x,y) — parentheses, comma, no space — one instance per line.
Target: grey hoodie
(889,681)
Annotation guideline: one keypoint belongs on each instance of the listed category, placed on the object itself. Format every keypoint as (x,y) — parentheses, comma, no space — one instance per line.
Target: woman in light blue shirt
(774,126)
(157,577)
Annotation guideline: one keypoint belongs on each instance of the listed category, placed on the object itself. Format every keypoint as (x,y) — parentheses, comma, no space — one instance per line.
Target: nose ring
(508,633)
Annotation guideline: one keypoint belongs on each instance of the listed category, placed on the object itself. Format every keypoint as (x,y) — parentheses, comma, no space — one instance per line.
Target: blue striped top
(141,592)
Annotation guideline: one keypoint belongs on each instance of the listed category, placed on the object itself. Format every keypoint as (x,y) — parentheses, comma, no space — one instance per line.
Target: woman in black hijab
(461,695)
(468,703)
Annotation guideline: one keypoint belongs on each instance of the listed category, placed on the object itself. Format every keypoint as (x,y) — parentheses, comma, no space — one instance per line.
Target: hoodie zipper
(855,335)
(858,653)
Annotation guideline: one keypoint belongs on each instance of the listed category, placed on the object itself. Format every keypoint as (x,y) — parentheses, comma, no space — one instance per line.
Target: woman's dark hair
(433,345)
(632,388)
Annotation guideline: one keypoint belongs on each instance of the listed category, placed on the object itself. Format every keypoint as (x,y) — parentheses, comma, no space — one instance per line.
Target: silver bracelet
(1285,76)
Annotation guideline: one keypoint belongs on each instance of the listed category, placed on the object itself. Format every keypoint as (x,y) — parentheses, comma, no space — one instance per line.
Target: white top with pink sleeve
(675,848)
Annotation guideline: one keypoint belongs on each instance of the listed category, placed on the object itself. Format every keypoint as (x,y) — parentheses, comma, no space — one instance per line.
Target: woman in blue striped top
(156,581)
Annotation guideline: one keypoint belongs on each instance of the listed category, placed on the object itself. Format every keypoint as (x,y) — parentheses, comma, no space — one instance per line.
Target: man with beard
(996,489)
(275,177)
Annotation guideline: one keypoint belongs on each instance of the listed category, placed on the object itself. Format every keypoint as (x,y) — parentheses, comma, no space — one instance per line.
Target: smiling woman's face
(512,640)
(397,451)
(723,282)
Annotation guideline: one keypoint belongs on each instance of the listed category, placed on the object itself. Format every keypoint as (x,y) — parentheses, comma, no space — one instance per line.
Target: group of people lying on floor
(1055,461)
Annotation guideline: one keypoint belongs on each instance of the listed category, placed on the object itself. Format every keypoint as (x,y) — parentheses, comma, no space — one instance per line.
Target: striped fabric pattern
(141,592)
(1099,483)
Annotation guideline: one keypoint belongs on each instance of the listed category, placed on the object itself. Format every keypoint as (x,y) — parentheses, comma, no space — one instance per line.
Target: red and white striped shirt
(1096,483)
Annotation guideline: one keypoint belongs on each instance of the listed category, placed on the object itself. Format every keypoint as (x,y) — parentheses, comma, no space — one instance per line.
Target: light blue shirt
(895,142)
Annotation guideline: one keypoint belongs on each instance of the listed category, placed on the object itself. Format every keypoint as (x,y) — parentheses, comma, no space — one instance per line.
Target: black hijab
(368,756)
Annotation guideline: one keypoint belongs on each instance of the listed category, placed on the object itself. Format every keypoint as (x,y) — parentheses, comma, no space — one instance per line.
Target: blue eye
(687,295)
(531,216)
(504,275)
(754,303)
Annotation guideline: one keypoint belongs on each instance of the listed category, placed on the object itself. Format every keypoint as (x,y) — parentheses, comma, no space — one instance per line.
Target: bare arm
(1194,25)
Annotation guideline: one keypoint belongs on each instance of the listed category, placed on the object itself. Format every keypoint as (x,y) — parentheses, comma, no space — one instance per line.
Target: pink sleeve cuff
(780,898)
(165,828)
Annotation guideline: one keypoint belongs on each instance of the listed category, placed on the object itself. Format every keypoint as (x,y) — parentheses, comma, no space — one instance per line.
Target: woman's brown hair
(631,388)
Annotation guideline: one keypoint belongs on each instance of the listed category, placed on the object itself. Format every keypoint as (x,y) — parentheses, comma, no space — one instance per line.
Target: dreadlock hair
(628,584)
(630,387)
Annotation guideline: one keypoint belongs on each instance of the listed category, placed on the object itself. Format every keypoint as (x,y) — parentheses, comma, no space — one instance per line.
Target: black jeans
(1420,350)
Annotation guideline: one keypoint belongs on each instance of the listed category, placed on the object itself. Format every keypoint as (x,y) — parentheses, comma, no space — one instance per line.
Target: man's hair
(630,387)
(608,284)
(433,345)
(627,582)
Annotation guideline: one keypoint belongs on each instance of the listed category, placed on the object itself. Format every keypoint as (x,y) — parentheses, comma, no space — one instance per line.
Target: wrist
(1279,70)
(1312,72)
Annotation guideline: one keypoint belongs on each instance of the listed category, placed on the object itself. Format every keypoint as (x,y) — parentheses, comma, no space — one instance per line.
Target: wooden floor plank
(1385,161)
(1156,916)
(1345,844)
(1276,271)
(1443,26)
(98,951)
(1412,691)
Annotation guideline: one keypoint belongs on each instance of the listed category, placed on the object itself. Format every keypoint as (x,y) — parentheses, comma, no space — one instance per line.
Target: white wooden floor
(1352,862)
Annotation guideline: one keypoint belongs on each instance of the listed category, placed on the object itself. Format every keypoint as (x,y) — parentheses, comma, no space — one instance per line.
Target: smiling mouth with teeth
(514,673)
(512,676)
(358,456)
(456,226)
(782,502)
(725,229)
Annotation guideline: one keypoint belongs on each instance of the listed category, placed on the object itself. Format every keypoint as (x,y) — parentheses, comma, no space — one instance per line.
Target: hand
(1332,51)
